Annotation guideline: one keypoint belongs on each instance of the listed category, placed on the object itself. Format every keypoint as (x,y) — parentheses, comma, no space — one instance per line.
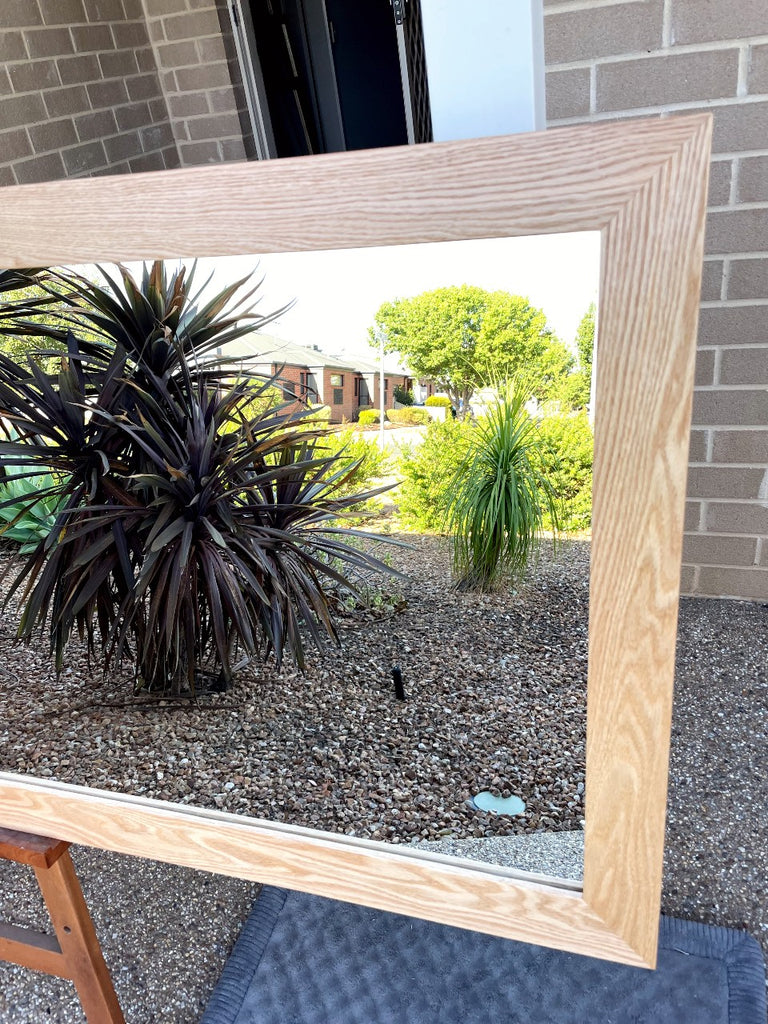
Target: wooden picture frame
(643,186)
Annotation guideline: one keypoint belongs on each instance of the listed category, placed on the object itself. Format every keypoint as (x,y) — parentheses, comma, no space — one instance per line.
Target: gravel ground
(495,687)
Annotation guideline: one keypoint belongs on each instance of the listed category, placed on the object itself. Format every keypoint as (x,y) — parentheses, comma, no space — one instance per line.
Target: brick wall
(619,59)
(79,92)
(346,410)
(391,380)
(193,51)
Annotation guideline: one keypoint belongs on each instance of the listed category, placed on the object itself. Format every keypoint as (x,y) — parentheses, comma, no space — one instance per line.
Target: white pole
(381,390)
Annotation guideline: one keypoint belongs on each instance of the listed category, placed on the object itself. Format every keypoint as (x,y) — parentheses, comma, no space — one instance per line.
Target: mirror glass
(452,714)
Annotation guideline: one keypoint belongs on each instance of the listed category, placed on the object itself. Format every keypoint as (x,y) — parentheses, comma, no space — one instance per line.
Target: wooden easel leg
(79,944)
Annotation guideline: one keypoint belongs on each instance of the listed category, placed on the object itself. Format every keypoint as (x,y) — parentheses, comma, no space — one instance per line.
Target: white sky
(338,292)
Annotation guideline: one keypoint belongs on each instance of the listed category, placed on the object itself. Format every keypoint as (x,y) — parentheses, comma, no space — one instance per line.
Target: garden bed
(495,687)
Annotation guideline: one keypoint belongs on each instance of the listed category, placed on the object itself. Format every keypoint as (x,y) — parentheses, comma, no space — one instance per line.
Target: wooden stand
(73,952)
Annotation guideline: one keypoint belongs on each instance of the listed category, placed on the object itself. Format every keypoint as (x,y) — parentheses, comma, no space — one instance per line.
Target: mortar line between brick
(733,195)
(678,107)
(666,24)
(752,255)
(729,207)
(584,5)
(743,71)
(661,52)
(695,583)
(733,303)
(741,428)
(717,362)
(727,501)
(694,464)
(747,566)
(715,533)
(725,284)
(710,444)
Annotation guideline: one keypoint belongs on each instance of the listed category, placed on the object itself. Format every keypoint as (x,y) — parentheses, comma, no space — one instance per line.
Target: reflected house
(345,384)
(424,388)
(369,382)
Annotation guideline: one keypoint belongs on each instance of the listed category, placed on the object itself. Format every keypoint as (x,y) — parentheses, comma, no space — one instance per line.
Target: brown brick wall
(613,59)
(193,51)
(391,381)
(346,410)
(349,407)
(79,91)
(289,379)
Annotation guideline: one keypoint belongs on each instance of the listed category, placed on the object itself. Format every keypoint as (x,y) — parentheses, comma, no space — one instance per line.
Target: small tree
(575,391)
(187,524)
(498,496)
(402,396)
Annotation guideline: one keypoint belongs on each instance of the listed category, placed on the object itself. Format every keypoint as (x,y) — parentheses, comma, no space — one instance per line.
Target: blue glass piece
(498,805)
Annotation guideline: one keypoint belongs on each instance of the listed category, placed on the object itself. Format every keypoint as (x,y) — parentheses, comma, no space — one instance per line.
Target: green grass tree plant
(498,495)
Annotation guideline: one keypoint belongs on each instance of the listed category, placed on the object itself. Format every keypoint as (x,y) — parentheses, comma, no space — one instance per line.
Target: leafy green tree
(26,291)
(573,391)
(463,337)
(585,339)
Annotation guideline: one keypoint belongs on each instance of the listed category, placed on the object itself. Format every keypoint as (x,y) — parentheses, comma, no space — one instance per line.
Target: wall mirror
(644,191)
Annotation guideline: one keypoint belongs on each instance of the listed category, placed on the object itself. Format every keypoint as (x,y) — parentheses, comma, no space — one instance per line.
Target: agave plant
(499,496)
(28,510)
(186,528)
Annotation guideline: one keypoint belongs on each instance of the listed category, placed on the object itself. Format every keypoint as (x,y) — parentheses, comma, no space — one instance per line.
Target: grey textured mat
(306,960)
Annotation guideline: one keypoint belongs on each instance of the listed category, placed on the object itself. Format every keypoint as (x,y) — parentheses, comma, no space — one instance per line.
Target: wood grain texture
(356,870)
(645,369)
(36,950)
(643,185)
(78,942)
(74,952)
(573,179)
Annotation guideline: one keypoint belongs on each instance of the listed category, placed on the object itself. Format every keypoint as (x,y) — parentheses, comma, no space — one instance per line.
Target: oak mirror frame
(643,186)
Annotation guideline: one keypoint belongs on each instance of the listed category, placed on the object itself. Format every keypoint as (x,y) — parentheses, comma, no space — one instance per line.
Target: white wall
(485,63)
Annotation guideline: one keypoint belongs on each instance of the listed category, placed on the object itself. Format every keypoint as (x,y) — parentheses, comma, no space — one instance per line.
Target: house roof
(266,348)
(391,368)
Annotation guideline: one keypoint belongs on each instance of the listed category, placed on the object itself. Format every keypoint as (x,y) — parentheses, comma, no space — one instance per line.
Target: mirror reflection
(389,448)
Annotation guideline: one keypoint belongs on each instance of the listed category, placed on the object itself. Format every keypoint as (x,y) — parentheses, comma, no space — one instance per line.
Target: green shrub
(498,496)
(402,396)
(566,462)
(28,509)
(367,417)
(268,398)
(408,417)
(355,452)
(442,401)
(426,470)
